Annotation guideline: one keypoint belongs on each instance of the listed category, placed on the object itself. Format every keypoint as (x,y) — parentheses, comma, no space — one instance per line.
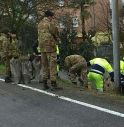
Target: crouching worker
(76,66)
(95,76)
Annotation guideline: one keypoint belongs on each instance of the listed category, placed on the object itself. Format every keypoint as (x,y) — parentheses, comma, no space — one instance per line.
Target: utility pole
(116,43)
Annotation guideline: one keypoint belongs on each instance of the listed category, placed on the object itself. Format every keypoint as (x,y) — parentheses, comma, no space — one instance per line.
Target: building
(99,20)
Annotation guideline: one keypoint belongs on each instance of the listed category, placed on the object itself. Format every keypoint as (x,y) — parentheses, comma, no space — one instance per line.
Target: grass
(2,69)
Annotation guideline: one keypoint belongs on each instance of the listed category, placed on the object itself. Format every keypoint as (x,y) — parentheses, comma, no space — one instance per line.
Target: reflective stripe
(98,68)
(96,71)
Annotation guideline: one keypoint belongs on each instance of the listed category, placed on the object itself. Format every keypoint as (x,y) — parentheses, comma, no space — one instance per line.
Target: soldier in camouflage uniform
(47,34)
(76,66)
(6,54)
(10,51)
(3,38)
(15,64)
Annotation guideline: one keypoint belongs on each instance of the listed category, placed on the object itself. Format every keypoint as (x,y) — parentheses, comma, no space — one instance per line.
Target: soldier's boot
(8,79)
(54,86)
(45,86)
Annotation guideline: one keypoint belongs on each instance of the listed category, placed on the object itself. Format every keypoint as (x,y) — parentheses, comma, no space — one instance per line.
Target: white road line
(72,100)
(2,80)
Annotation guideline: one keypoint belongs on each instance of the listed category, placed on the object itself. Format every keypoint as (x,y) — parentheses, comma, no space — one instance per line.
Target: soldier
(6,54)
(95,76)
(47,35)
(15,63)
(76,65)
(2,39)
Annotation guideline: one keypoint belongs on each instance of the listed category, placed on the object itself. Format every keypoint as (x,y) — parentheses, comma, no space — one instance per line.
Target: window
(75,21)
(61,25)
(61,3)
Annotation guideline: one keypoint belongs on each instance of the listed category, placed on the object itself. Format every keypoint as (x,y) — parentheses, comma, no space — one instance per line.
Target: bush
(86,49)
(66,49)
(2,69)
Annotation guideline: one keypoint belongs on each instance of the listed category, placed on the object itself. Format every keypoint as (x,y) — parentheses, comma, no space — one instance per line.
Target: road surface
(22,106)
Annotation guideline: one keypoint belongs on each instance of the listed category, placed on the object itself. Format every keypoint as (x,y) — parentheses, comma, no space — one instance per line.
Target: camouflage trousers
(49,66)
(7,66)
(79,70)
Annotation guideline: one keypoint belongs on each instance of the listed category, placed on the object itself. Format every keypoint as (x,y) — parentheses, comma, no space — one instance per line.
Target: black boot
(45,86)
(54,86)
(8,79)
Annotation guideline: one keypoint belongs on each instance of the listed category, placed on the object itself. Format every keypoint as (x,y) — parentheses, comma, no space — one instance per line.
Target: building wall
(100,14)
(98,19)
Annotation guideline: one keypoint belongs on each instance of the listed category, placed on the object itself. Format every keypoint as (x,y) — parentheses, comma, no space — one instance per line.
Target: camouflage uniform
(2,39)
(6,54)
(46,33)
(14,59)
(77,66)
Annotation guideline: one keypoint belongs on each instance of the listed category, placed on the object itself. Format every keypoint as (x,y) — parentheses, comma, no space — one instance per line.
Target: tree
(67,36)
(84,13)
(20,11)
(19,15)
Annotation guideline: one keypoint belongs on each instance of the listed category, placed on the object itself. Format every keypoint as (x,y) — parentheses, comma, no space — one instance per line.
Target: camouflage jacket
(47,33)
(73,59)
(10,48)
(3,40)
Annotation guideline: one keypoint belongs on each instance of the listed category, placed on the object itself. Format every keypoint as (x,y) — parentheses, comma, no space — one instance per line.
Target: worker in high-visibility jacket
(58,58)
(122,67)
(122,72)
(95,76)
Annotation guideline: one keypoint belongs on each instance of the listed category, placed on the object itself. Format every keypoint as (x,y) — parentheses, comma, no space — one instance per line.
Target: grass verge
(2,69)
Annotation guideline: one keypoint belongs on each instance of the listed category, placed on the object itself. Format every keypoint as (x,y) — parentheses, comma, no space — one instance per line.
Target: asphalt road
(21,107)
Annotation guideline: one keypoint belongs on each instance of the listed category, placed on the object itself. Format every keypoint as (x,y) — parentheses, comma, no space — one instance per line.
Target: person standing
(11,54)
(15,63)
(6,40)
(47,37)
(77,66)
(3,38)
